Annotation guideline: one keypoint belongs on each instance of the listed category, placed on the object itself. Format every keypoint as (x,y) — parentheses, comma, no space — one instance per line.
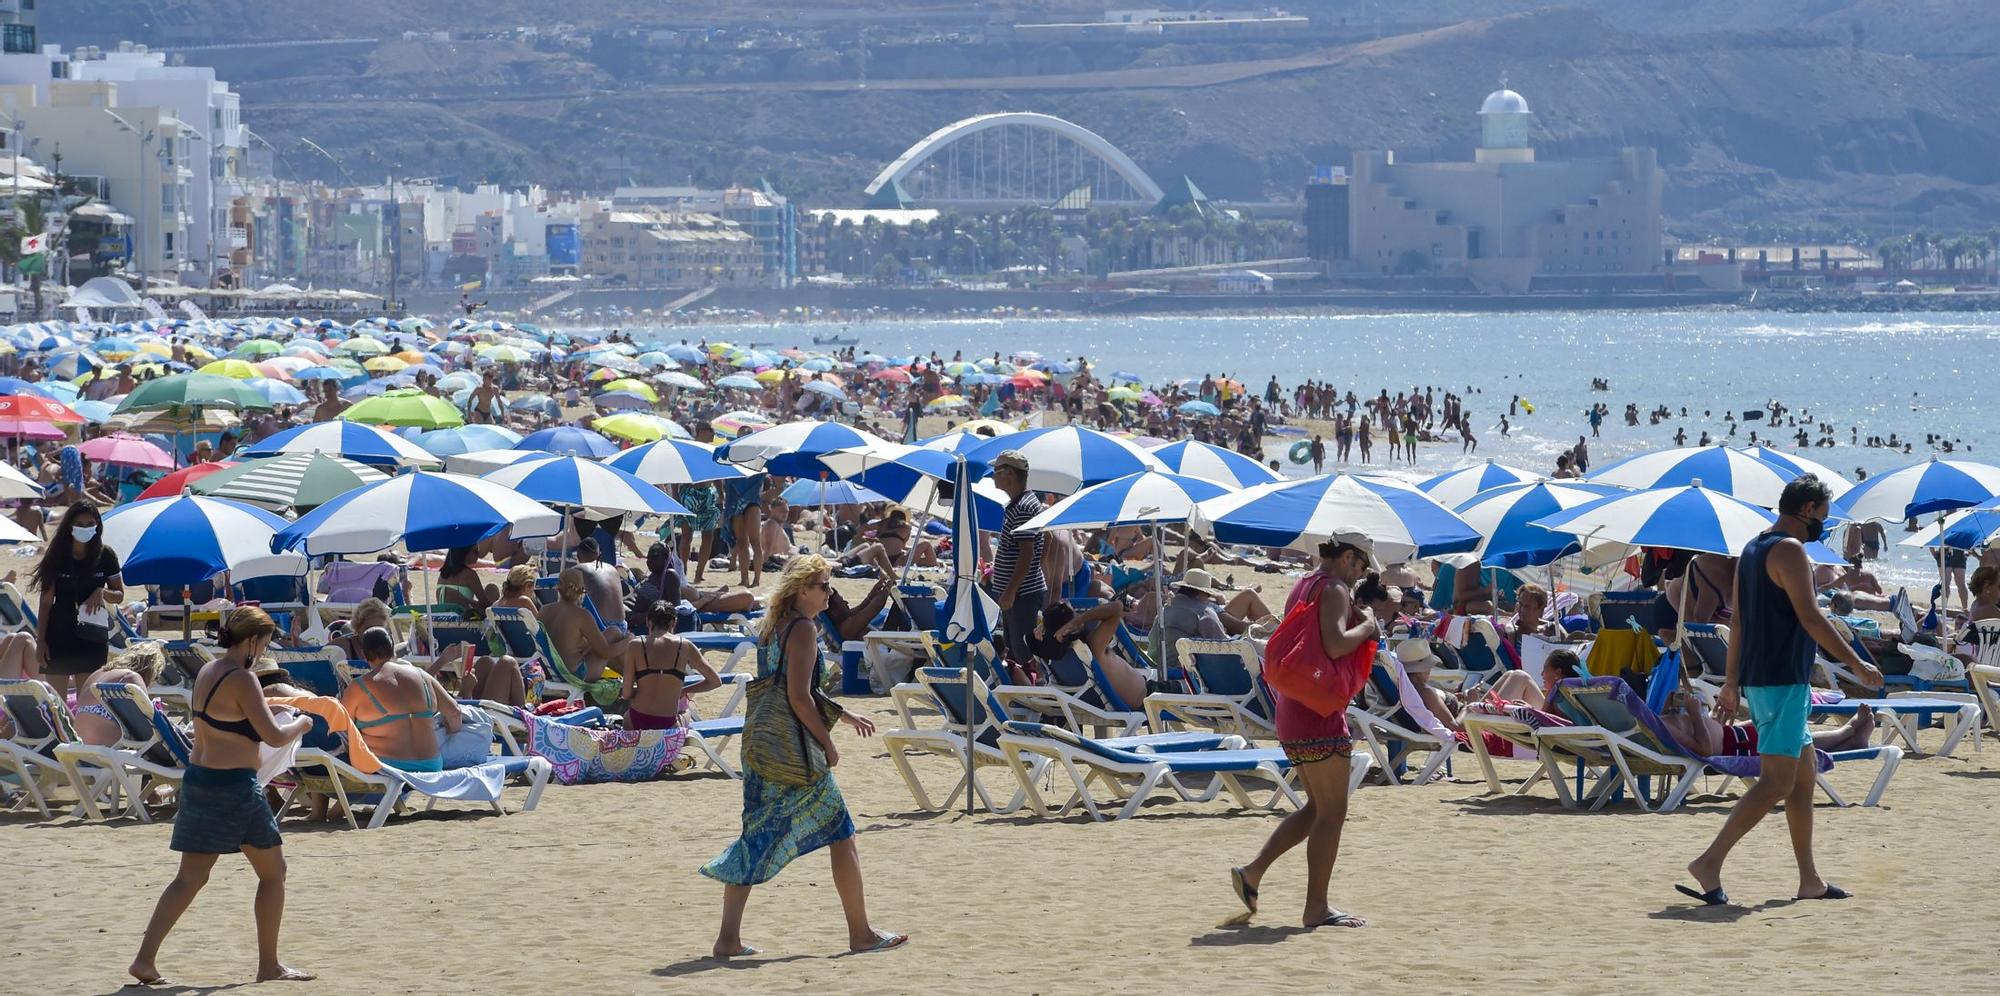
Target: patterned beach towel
(581,754)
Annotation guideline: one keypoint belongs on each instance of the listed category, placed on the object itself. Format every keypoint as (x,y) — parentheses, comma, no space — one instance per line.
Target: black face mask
(1815,530)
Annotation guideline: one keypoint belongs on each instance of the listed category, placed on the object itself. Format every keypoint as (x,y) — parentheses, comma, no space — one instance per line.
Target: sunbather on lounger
(395,706)
(1705,735)
(1096,628)
(93,719)
(574,634)
(656,669)
(1517,686)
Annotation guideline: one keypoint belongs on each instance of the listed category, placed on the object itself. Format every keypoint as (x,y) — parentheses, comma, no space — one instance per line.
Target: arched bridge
(1016,158)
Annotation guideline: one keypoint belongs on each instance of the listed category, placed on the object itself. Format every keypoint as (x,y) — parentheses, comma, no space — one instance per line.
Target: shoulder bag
(775,745)
(1297,667)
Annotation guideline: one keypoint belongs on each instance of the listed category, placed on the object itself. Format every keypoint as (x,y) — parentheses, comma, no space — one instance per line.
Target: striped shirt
(1007,554)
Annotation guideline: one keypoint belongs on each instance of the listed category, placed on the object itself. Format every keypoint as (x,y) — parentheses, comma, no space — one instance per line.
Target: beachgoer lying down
(1705,735)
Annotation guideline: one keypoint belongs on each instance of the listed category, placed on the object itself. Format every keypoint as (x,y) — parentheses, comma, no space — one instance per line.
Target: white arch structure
(916,155)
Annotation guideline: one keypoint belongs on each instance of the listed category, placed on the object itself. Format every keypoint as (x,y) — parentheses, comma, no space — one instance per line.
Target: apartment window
(169,244)
(166,198)
(18,38)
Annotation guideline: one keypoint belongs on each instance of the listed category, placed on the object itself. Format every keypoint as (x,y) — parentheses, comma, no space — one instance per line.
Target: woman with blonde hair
(139,667)
(372,612)
(782,822)
(222,808)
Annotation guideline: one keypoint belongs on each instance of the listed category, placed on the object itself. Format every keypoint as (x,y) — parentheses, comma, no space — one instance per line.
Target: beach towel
(340,724)
(582,754)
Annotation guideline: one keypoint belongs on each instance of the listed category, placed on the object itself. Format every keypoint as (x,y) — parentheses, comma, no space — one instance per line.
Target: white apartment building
(144,155)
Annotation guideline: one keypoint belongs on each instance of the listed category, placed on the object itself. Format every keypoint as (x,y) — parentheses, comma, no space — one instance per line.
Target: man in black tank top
(1778,624)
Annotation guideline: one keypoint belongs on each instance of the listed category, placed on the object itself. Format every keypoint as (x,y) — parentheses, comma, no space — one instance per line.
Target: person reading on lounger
(1517,686)
(395,706)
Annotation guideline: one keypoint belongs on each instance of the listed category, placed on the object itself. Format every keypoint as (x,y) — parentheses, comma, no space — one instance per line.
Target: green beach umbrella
(295,480)
(257,349)
(363,345)
(191,391)
(405,406)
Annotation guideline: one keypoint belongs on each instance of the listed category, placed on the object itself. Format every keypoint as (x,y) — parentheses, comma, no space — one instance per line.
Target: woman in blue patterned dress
(704,517)
(782,822)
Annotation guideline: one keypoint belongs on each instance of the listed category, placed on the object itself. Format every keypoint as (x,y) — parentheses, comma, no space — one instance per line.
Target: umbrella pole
(1944,590)
(1156,639)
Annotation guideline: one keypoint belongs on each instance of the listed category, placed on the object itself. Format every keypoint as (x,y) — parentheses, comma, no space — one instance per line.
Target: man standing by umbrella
(1778,622)
(1017,559)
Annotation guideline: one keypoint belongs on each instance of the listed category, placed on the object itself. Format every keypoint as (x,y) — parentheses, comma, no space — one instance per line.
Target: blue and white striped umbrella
(569,440)
(579,482)
(461,439)
(277,392)
(1921,489)
(1456,487)
(675,461)
(915,476)
(1689,518)
(1835,483)
(1196,459)
(1148,497)
(339,437)
(794,449)
(1066,458)
(423,511)
(186,539)
(968,612)
(1505,516)
(1402,521)
(1718,468)
(1966,529)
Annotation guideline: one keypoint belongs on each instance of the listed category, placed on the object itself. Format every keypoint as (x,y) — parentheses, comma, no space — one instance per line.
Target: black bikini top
(646,657)
(240,727)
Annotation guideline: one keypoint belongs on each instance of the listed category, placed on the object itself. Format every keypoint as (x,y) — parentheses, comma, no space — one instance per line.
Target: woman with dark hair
(222,809)
(1318,746)
(656,669)
(76,575)
(458,581)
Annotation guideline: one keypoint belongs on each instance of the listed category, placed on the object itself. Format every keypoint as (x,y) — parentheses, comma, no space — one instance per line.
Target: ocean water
(1910,374)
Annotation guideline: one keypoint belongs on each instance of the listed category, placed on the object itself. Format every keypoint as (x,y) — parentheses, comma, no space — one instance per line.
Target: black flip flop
(1832,892)
(1243,889)
(1713,897)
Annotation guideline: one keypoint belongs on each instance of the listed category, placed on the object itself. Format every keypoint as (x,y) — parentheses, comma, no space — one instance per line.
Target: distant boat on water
(835,340)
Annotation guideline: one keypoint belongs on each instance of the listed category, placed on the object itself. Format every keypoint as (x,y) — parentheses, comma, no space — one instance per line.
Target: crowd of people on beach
(616,597)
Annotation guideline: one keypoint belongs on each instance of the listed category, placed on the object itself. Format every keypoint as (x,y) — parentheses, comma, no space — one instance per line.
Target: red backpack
(1296,665)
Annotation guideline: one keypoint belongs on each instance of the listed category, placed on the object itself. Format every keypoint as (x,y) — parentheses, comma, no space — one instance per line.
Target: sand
(597,891)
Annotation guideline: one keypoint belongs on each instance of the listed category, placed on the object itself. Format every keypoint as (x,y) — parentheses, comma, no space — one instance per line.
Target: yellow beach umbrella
(770,376)
(232,367)
(633,386)
(384,365)
(635,427)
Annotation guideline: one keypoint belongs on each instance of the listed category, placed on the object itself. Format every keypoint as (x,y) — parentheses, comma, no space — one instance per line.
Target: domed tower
(1503,128)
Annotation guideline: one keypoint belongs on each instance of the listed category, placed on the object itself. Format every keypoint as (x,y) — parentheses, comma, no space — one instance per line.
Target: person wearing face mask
(1778,624)
(1318,746)
(77,574)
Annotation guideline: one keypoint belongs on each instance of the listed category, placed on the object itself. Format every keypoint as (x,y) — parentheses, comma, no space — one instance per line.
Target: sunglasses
(826,585)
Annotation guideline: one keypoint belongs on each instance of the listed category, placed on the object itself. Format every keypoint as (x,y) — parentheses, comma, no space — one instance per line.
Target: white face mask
(84,534)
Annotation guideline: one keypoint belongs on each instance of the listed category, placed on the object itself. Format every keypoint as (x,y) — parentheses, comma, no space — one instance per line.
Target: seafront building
(1504,221)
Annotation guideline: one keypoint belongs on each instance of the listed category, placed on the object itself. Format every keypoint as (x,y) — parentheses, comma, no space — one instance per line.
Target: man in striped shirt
(1018,584)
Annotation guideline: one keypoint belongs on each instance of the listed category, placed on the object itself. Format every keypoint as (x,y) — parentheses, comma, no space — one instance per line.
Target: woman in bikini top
(656,670)
(407,739)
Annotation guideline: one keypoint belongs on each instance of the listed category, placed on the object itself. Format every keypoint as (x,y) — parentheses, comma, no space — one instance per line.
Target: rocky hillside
(1811,116)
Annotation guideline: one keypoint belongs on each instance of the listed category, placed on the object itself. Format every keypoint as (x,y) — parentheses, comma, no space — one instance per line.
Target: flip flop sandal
(1832,892)
(885,942)
(1243,889)
(1340,919)
(745,951)
(157,980)
(1713,897)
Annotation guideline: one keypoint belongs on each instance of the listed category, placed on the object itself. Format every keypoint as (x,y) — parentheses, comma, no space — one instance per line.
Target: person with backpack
(1315,663)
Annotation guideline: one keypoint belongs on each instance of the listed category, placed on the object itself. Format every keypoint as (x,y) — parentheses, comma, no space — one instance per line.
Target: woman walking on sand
(1318,746)
(222,806)
(782,822)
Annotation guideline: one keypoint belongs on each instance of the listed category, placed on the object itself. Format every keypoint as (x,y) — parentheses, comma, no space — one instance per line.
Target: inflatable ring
(1301,451)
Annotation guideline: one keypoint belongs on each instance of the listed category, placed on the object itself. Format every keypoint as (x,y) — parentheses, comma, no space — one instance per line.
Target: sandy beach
(597,891)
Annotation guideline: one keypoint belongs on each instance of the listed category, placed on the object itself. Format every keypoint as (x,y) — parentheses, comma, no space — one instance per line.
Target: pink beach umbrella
(30,429)
(123,450)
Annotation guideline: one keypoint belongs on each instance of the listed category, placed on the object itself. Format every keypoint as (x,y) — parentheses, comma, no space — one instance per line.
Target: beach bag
(93,625)
(1296,665)
(1932,664)
(775,745)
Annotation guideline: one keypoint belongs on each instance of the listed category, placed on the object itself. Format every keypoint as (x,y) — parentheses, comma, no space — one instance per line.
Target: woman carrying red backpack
(1321,653)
